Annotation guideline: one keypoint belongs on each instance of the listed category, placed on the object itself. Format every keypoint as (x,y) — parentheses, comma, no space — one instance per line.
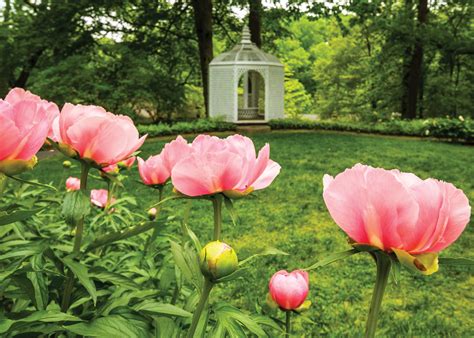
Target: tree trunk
(25,72)
(255,21)
(203,25)
(415,66)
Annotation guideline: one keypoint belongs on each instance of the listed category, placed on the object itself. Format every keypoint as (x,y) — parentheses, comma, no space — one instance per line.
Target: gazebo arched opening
(246,84)
(251,96)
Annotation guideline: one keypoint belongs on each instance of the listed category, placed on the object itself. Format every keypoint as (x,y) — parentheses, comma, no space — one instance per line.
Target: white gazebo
(246,84)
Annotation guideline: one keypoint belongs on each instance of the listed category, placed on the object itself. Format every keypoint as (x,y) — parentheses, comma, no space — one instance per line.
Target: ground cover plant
(291,215)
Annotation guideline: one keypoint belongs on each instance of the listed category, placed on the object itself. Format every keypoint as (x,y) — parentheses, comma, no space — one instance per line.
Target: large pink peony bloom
(396,211)
(289,290)
(156,170)
(94,134)
(25,120)
(52,111)
(229,165)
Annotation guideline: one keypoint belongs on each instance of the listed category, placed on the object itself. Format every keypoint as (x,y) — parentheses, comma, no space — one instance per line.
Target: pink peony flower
(73,183)
(153,171)
(94,134)
(24,126)
(289,290)
(228,166)
(392,210)
(157,169)
(99,198)
(19,94)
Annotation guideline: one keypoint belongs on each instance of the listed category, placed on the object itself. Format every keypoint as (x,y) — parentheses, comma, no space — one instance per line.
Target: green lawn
(291,216)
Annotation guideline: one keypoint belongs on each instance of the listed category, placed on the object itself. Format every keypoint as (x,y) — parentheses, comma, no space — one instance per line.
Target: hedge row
(193,127)
(445,128)
(453,129)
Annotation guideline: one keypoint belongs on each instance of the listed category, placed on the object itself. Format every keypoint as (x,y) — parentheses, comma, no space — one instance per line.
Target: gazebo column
(245,80)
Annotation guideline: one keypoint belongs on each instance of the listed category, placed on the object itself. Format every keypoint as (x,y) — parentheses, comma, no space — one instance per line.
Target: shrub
(458,130)
(197,126)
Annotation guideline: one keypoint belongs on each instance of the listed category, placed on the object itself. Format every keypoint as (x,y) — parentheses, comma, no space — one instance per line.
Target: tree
(414,85)
(203,24)
(255,21)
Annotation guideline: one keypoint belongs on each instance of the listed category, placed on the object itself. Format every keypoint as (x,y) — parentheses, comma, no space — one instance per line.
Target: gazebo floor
(251,122)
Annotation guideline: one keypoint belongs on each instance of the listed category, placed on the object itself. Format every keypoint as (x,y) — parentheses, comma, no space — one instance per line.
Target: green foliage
(139,282)
(457,130)
(198,126)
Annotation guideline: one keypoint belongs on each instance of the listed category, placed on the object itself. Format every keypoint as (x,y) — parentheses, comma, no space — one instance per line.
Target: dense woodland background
(367,60)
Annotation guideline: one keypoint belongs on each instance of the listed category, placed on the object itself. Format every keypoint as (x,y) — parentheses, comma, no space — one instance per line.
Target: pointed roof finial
(246,35)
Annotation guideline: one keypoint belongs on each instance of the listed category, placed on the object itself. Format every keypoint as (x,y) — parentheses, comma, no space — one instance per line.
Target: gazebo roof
(245,52)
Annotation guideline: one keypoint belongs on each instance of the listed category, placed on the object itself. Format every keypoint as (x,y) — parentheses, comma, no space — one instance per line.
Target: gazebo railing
(250,114)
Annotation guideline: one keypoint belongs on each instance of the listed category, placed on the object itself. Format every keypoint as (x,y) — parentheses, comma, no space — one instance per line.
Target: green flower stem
(383,270)
(206,290)
(288,324)
(110,191)
(153,236)
(217,204)
(77,243)
(3,183)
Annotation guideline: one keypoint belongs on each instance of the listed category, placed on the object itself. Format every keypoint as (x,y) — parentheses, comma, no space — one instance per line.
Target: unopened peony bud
(152,214)
(218,260)
(67,164)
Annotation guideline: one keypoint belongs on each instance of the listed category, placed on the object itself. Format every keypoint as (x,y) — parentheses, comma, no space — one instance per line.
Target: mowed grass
(291,216)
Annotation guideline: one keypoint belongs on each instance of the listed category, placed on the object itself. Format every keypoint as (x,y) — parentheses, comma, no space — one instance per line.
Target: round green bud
(152,214)
(218,260)
(67,164)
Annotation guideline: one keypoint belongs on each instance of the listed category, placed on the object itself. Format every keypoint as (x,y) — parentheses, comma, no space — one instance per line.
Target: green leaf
(267,252)
(230,319)
(39,282)
(230,208)
(46,316)
(456,261)
(193,237)
(17,216)
(153,308)
(103,275)
(395,271)
(76,206)
(332,258)
(166,327)
(81,273)
(112,326)
(187,261)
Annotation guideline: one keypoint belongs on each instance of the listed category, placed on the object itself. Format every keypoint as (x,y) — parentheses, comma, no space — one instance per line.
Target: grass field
(291,216)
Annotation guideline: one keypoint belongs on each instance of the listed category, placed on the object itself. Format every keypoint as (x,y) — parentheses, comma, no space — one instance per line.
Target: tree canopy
(368,59)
